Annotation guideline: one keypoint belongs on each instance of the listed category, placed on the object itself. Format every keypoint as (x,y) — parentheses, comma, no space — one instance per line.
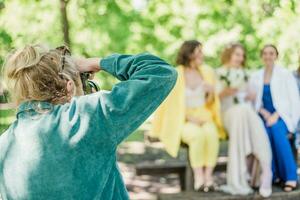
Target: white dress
(246,134)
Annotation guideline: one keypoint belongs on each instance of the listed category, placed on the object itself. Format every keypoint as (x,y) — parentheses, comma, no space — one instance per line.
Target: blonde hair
(228,51)
(35,73)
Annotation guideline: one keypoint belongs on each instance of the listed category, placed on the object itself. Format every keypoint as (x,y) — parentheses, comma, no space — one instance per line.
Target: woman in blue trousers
(278,103)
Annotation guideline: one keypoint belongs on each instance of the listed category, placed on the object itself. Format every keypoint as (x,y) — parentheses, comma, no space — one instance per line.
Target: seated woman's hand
(265,114)
(195,120)
(88,64)
(208,87)
(272,119)
(228,92)
(251,96)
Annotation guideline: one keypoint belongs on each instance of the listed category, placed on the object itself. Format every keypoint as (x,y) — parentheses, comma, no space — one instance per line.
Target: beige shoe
(265,193)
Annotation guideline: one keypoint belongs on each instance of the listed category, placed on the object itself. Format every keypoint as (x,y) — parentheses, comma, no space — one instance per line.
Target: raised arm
(146,81)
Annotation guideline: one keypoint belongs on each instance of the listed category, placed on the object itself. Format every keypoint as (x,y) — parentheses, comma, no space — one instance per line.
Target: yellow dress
(170,126)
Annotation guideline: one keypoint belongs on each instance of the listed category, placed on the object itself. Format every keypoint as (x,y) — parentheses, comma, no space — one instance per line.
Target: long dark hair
(185,52)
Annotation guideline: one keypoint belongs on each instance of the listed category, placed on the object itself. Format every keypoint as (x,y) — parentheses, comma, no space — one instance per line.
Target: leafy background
(101,27)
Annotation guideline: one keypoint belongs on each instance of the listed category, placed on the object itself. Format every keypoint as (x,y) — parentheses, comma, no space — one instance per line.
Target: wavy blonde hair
(229,50)
(35,73)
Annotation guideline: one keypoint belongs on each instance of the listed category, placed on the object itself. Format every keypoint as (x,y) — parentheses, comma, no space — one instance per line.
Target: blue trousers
(283,163)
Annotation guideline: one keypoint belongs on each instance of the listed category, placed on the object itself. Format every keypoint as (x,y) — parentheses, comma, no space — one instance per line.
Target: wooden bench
(166,168)
(182,168)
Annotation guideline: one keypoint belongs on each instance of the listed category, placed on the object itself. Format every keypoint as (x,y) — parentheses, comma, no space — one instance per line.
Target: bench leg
(182,180)
(189,177)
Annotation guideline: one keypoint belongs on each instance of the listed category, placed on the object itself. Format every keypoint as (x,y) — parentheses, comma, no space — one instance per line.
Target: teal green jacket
(69,151)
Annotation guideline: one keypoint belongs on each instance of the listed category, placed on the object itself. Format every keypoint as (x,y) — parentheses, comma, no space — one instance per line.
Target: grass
(3,128)
(9,112)
(6,118)
(136,136)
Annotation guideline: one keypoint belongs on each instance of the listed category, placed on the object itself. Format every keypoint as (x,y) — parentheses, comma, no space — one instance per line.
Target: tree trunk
(65,22)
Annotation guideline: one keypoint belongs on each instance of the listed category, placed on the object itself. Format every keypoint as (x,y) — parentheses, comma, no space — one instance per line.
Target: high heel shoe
(289,187)
(198,187)
(265,189)
(265,193)
(201,188)
(210,188)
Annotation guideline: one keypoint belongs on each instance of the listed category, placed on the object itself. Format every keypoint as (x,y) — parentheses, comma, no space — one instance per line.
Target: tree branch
(65,22)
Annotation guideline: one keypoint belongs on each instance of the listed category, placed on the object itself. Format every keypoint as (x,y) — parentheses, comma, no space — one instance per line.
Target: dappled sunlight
(197,38)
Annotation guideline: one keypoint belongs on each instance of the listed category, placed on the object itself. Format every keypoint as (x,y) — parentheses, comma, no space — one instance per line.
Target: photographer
(64,147)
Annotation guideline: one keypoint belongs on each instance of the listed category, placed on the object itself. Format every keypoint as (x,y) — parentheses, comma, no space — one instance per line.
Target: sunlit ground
(144,187)
(147,187)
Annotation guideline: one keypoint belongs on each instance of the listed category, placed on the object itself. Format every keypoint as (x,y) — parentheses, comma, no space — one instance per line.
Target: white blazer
(285,94)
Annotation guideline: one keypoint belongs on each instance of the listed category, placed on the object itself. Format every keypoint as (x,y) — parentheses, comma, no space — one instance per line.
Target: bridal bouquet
(234,78)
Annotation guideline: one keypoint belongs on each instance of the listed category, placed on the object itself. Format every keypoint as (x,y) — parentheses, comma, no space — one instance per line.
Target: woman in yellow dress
(190,114)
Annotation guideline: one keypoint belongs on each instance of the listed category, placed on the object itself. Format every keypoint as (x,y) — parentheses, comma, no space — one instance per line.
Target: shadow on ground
(167,187)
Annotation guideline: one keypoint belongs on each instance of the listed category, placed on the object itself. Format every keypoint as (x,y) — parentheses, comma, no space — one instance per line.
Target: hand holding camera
(91,65)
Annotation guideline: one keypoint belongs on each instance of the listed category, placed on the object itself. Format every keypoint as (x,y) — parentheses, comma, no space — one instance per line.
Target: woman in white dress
(246,131)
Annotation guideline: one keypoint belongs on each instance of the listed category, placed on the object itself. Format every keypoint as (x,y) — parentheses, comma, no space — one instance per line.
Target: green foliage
(5,44)
(98,28)
(6,118)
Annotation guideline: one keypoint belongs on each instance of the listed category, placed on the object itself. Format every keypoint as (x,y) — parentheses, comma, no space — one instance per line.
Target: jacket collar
(275,69)
(34,106)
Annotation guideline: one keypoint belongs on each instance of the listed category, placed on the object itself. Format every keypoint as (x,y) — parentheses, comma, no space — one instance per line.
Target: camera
(88,85)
